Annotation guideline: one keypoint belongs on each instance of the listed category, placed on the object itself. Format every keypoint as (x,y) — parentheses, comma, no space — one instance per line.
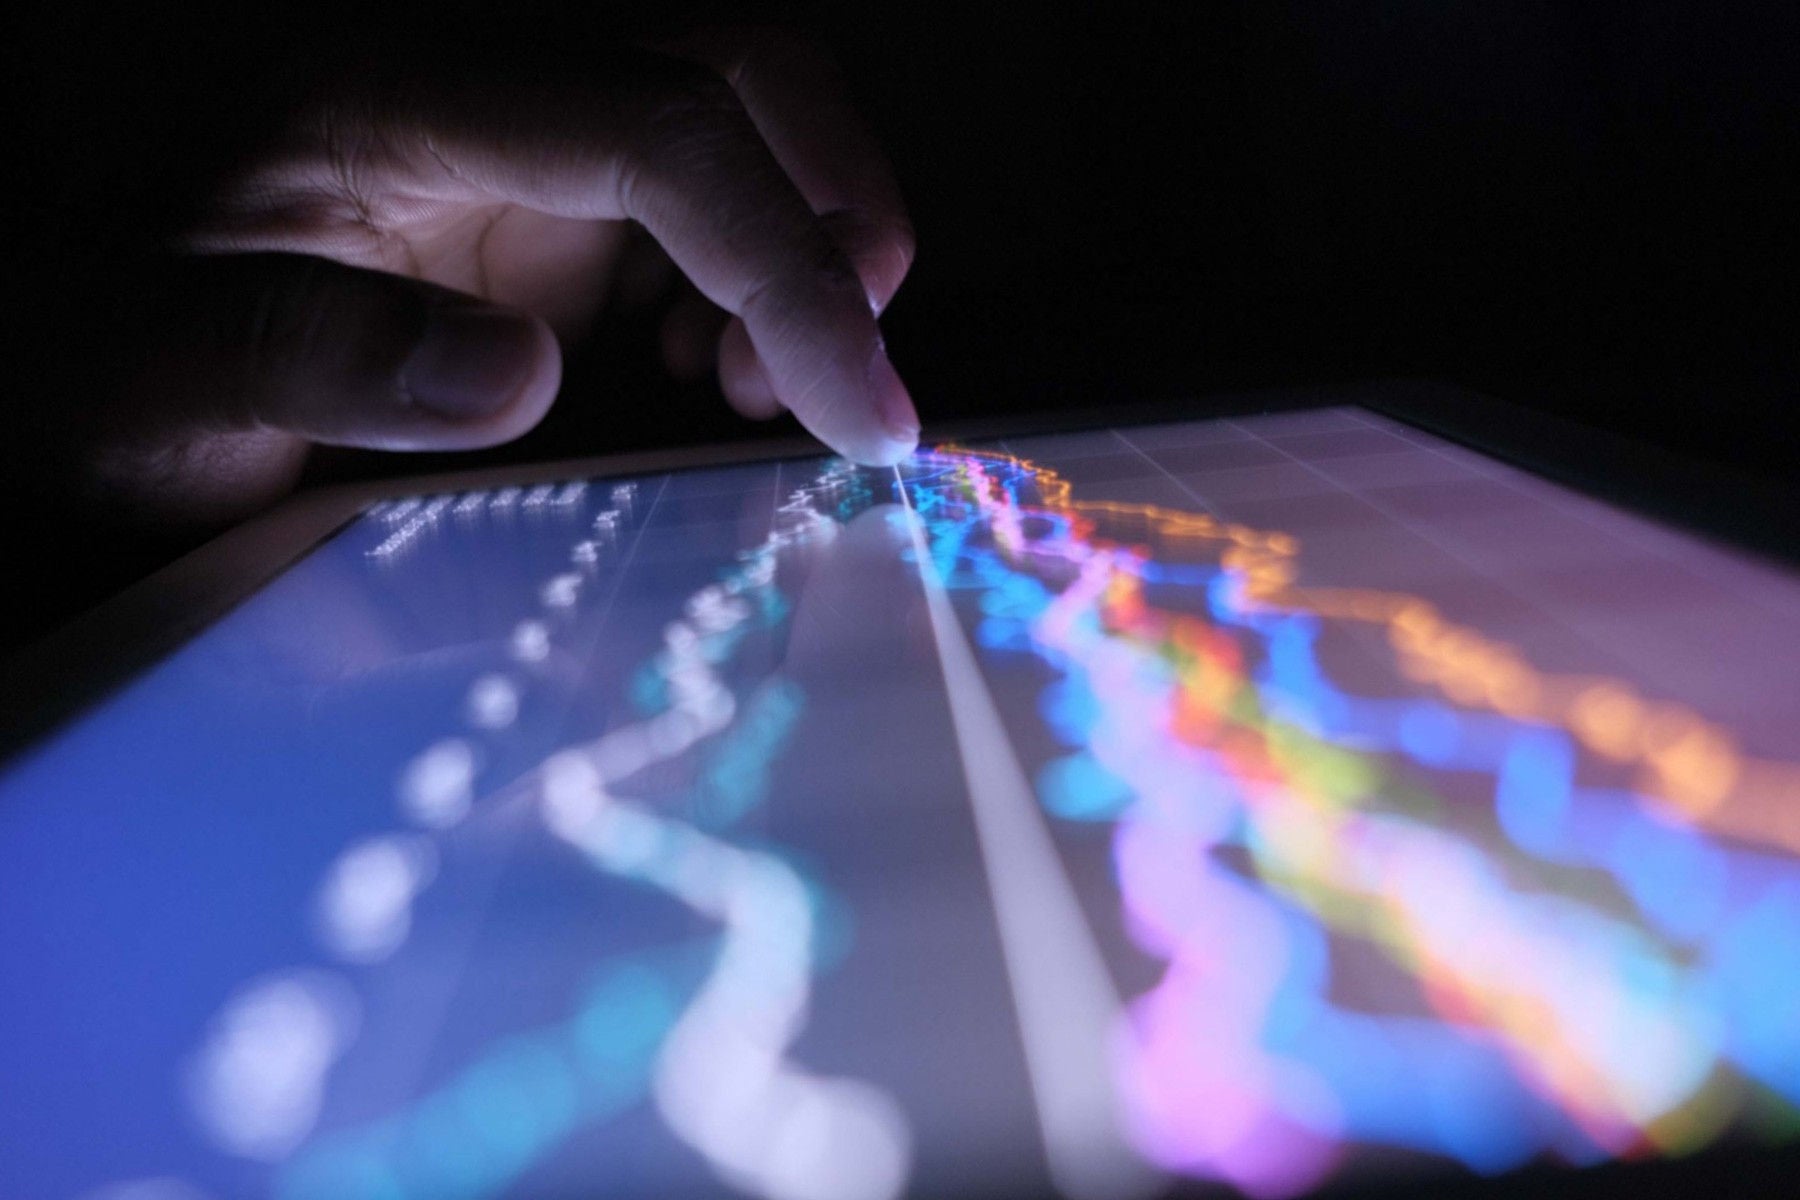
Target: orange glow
(1693,767)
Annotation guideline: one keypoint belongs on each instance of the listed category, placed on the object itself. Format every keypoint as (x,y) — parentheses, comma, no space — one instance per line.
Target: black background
(1586,208)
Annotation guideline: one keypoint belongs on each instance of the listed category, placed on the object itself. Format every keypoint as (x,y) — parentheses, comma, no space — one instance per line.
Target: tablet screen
(1269,803)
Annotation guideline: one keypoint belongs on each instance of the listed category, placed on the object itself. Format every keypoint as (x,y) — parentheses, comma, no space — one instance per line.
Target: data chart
(1242,804)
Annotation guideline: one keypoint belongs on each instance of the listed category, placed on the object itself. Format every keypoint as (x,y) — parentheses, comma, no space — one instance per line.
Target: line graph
(1191,744)
(1225,853)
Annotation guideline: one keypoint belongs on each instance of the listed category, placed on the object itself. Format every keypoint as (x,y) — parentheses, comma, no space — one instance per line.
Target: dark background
(1585,208)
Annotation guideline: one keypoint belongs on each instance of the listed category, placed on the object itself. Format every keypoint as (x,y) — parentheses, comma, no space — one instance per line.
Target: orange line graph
(1692,766)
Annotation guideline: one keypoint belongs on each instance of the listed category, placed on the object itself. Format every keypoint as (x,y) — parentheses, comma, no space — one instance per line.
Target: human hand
(388,274)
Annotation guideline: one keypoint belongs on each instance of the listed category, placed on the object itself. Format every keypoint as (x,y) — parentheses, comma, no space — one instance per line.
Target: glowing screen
(1259,803)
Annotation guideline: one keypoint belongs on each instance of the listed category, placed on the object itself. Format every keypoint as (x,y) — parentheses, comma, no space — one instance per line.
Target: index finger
(798,98)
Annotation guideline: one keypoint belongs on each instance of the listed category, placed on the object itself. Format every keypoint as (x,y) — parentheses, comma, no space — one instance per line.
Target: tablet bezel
(51,681)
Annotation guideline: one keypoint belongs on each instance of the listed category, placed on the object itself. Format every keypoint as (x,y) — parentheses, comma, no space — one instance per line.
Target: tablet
(1280,803)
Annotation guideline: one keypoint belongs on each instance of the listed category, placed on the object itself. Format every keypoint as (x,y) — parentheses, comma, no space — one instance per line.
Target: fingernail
(470,360)
(892,405)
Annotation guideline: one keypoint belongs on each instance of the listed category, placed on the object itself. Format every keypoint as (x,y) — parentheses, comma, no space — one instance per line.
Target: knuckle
(683,119)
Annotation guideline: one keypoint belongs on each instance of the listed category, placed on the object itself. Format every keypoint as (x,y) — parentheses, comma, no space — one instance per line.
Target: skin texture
(394,269)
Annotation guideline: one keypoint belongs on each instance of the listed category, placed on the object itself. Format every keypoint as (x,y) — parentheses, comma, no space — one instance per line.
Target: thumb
(335,354)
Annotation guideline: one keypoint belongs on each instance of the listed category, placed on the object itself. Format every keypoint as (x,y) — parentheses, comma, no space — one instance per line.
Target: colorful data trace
(701,1032)
(1459,904)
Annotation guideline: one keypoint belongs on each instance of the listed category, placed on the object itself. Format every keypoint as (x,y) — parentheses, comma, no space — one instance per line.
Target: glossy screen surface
(1261,803)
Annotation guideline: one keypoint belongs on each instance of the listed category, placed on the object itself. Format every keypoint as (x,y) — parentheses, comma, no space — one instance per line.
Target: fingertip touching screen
(1259,804)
